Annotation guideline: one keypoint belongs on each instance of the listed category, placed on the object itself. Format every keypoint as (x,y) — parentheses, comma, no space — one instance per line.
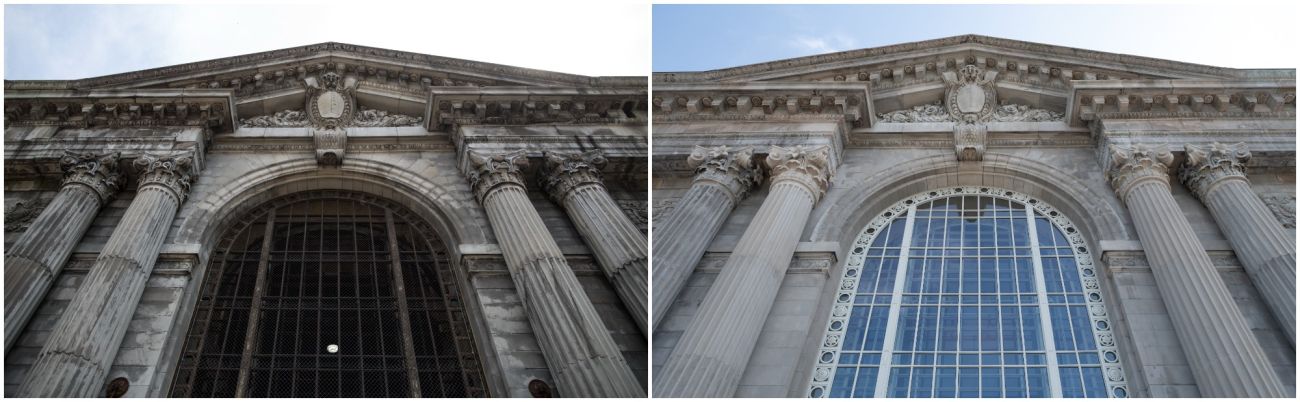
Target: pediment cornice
(908,63)
(764,101)
(280,67)
(207,108)
(1182,99)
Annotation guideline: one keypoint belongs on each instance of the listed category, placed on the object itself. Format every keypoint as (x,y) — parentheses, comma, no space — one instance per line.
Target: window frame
(827,357)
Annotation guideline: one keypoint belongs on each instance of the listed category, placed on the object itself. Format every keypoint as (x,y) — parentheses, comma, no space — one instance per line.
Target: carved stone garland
(1103,330)
(971,100)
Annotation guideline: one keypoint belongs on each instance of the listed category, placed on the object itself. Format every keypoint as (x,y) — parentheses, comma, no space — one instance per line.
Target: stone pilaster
(1217,176)
(575,182)
(1226,359)
(82,345)
(582,356)
(715,348)
(723,177)
(38,255)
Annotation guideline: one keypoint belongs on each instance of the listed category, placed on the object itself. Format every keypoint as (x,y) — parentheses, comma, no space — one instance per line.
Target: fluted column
(582,356)
(82,345)
(722,179)
(1226,359)
(575,182)
(715,348)
(38,255)
(1217,176)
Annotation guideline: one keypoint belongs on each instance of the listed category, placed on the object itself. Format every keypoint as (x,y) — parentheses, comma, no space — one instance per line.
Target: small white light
(332,348)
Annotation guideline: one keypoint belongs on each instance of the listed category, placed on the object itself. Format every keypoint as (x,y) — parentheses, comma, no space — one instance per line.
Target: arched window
(969,292)
(329,294)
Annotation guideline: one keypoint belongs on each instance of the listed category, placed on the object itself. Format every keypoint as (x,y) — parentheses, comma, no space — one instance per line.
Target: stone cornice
(733,170)
(1208,166)
(807,166)
(328,51)
(1148,99)
(452,107)
(1139,163)
(213,109)
(563,172)
(918,58)
(96,172)
(174,173)
(794,101)
(490,171)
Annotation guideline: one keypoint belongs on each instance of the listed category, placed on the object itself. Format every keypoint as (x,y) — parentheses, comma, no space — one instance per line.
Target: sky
(1245,35)
(79,41)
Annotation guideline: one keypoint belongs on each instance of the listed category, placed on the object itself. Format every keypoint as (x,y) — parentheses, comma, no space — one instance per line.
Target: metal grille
(329,294)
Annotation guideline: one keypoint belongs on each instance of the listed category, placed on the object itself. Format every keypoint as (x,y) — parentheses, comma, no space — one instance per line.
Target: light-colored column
(582,356)
(82,345)
(715,348)
(38,255)
(722,179)
(1226,359)
(575,182)
(1217,176)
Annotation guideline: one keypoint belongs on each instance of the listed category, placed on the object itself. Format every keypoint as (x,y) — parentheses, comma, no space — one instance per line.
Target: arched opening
(329,294)
(969,292)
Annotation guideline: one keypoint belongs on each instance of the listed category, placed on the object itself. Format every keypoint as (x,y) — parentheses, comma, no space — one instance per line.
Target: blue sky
(79,41)
(705,37)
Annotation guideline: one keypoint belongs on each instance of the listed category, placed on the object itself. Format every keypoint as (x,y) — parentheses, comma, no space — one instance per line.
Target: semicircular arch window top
(329,294)
(969,292)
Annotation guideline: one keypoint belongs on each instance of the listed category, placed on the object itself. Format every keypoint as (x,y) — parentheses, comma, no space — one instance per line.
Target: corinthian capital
(174,173)
(564,172)
(97,172)
(490,171)
(733,170)
(1206,167)
(1130,166)
(804,165)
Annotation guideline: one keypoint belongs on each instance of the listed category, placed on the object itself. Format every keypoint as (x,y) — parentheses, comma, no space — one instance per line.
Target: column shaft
(712,353)
(679,243)
(619,246)
(582,356)
(1267,253)
(82,345)
(35,259)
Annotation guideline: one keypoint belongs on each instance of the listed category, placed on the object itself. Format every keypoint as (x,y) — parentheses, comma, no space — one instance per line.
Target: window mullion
(1044,311)
(399,291)
(895,304)
(259,289)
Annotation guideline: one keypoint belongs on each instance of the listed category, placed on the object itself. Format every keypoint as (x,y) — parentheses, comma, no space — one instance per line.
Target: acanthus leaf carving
(20,216)
(97,172)
(564,172)
(733,170)
(1207,166)
(805,165)
(1283,207)
(1136,164)
(367,117)
(489,171)
(285,118)
(175,173)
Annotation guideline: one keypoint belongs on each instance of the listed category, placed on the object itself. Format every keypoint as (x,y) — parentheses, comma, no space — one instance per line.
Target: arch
(1058,241)
(453,213)
(843,213)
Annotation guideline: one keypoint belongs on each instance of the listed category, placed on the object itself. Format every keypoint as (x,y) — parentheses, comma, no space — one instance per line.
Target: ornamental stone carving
(969,140)
(1025,113)
(1130,166)
(490,171)
(1283,207)
(330,142)
(801,164)
(970,96)
(20,216)
(286,118)
(936,113)
(564,172)
(1208,166)
(367,117)
(97,172)
(330,99)
(733,170)
(174,173)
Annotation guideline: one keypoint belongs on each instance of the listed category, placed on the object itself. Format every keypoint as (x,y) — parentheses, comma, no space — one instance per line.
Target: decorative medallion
(330,99)
(971,96)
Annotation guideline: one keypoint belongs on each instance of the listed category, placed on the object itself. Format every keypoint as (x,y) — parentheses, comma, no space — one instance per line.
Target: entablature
(849,103)
(449,108)
(1186,99)
(210,109)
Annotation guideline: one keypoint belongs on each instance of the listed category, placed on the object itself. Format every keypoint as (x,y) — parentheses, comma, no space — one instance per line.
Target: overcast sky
(1234,34)
(79,41)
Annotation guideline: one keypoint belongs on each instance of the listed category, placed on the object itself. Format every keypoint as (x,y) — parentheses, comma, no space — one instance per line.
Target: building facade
(973,216)
(326,220)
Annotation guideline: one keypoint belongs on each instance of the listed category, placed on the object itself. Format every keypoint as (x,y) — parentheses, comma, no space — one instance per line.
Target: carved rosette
(969,140)
(487,172)
(97,172)
(806,166)
(1206,167)
(733,170)
(174,173)
(563,173)
(1138,164)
